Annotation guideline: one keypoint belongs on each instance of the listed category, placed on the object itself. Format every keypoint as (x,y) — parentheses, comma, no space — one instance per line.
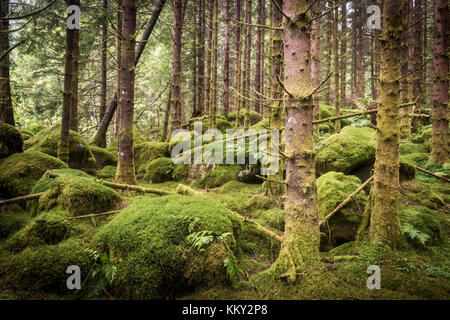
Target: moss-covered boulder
(80,155)
(103,157)
(79,195)
(181,172)
(146,152)
(273,218)
(159,170)
(157,262)
(26,134)
(255,117)
(12,219)
(346,151)
(11,140)
(19,172)
(218,176)
(35,128)
(332,189)
(108,172)
(43,269)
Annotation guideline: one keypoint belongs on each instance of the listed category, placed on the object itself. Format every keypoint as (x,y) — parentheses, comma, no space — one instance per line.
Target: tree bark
(329,52)
(213,67)
(259,57)
(315,56)
(118,82)
(300,247)
(238,59)
(405,122)
(361,19)
(337,95)
(63,145)
(6,108)
(201,60)
(103,60)
(100,136)
(384,221)
(247,61)
(125,167)
(226,66)
(343,63)
(74,97)
(440,151)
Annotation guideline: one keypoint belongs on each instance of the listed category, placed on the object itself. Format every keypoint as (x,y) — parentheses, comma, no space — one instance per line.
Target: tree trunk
(125,166)
(405,122)
(209,27)
(329,52)
(74,98)
(100,136)
(118,82)
(259,57)
(213,67)
(440,152)
(63,145)
(226,66)
(247,59)
(300,247)
(337,96)
(238,59)
(103,60)
(361,20)
(195,59)
(315,56)
(418,43)
(343,64)
(6,108)
(201,60)
(384,221)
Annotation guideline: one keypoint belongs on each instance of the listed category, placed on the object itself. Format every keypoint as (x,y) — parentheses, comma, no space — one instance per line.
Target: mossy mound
(408,148)
(407,170)
(157,262)
(146,152)
(422,219)
(181,172)
(159,170)
(261,125)
(43,269)
(77,194)
(255,117)
(219,176)
(234,187)
(80,155)
(103,157)
(11,221)
(20,171)
(346,151)
(273,218)
(326,111)
(332,189)
(258,203)
(11,140)
(26,134)
(107,172)
(35,128)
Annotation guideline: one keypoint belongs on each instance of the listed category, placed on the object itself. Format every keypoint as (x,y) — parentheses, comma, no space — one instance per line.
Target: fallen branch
(433,174)
(122,186)
(93,215)
(24,198)
(349,198)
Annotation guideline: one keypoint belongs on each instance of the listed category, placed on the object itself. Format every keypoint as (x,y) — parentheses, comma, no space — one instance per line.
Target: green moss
(12,221)
(19,172)
(80,155)
(425,194)
(156,262)
(332,189)
(76,194)
(146,152)
(408,148)
(407,170)
(10,140)
(234,187)
(422,219)
(219,176)
(181,172)
(257,203)
(159,170)
(35,128)
(185,190)
(108,172)
(26,134)
(346,151)
(273,218)
(261,125)
(103,157)
(418,159)
(43,269)
(255,117)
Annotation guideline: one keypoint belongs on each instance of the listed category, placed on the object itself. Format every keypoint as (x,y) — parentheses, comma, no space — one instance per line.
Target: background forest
(358,91)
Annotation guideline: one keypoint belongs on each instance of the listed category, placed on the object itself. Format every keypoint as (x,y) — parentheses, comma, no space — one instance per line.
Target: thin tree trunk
(329,53)
(259,57)
(361,20)
(125,166)
(201,60)
(226,66)
(440,152)
(418,40)
(384,221)
(300,246)
(337,96)
(6,108)
(195,59)
(63,145)
(103,58)
(74,98)
(315,56)
(247,61)
(213,67)
(118,82)
(209,27)
(405,122)
(238,59)
(100,136)
(343,64)
(166,117)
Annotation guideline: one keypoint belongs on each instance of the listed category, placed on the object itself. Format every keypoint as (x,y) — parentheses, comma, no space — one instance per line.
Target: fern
(200,239)
(414,234)
(101,274)
(234,272)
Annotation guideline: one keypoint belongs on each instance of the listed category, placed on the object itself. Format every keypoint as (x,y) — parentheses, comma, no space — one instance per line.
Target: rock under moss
(35,128)
(80,155)
(26,134)
(43,269)
(258,203)
(234,187)
(11,140)
(181,172)
(332,189)
(157,262)
(108,172)
(77,194)
(273,218)
(12,219)
(159,170)
(146,152)
(19,172)
(255,117)
(219,176)
(103,157)
(346,151)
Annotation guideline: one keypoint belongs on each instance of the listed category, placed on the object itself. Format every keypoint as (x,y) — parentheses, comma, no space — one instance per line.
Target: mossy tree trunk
(125,165)
(226,66)
(63,144)
(118,57)
(247,61)
(343,56)
(315,56)
(337,95)
(440,152)
(360,26)
(208,82)
(238,59)
(259,57)
(329,53)
(6,108)
(405,123)
(300,248)
(213,67)
(384,221)
(104,31)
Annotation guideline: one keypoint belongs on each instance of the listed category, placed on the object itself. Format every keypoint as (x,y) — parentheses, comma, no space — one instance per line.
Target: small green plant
(100,276)
(234,272)
(437,272)
(414,234)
